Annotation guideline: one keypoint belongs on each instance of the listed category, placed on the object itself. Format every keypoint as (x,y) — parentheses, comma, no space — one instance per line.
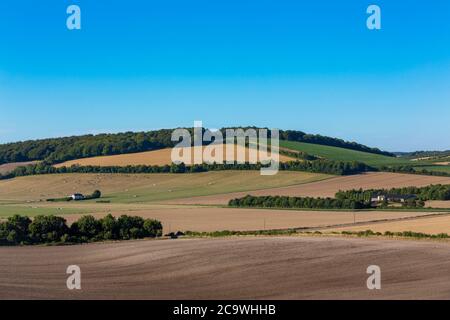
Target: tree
(47,229)
(153,228)
(87,227)
(96,194)
(110,227)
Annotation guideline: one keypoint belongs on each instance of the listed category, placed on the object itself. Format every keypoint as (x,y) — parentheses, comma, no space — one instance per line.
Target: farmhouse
(392,198)
(77,196)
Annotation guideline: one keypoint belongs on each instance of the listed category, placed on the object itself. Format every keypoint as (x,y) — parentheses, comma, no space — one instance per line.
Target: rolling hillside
(155,158)
(128,188)
(341,154)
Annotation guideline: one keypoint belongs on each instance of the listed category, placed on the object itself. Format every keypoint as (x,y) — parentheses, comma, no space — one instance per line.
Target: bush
(96,194)
(110,227)
(47,229)
(131,227)
(153,228)
(87,227)
(15,230)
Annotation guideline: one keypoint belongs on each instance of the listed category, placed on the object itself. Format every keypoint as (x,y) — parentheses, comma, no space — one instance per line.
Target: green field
(340,154)
(434,168)
(140,188)
(211,183)
(30,211)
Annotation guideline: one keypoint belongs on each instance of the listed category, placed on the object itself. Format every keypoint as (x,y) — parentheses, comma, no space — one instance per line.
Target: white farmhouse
(77,196)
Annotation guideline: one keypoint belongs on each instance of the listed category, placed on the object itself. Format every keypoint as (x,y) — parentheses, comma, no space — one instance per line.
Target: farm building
(77,196)
(393,198)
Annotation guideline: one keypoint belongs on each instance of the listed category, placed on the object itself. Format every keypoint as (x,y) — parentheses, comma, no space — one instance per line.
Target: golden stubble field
(329,187)
(161,157)
(147,187)
(433,224)
(194,201)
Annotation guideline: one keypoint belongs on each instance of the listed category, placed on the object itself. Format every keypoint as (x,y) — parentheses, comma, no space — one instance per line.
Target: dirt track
(329,187)
(235,268)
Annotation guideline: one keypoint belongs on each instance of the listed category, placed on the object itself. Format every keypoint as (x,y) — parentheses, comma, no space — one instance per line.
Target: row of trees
(327,166)
(53,229)
(67,148)
(297,202)
(431,192)
(413,170)
(316,166)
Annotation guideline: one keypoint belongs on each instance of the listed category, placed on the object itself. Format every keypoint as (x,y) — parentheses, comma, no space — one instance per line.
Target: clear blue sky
(307,65)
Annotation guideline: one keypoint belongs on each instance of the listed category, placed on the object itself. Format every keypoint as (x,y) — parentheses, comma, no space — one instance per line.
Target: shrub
(47,229)
(153,228)
(131,227)
(87,227)
(96,194)
(110,227)
(15,230)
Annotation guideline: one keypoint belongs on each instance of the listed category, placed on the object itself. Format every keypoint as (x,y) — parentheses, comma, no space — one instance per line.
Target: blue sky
(306,65)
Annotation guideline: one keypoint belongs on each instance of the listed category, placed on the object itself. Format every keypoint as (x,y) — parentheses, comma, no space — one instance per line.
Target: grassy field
(31,211)
(132,188)
(340,154)
(375,160)
(438,168)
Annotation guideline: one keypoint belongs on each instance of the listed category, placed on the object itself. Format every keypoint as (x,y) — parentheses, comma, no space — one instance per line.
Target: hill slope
(57,150)
(159,157)
(341,154)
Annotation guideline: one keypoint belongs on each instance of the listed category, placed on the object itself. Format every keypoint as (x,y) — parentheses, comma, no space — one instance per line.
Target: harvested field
(438,204)
(430,225)
(8,167)
(329,187)
(147,187)
(213,219)
(229,268)
(160,157)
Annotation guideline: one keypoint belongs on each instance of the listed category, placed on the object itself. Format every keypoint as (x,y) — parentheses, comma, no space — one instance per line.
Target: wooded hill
(57,150)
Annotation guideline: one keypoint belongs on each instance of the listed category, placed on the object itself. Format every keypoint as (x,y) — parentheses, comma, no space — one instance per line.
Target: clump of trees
(21,230)
(297,202)
(431,192)
(316,166)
